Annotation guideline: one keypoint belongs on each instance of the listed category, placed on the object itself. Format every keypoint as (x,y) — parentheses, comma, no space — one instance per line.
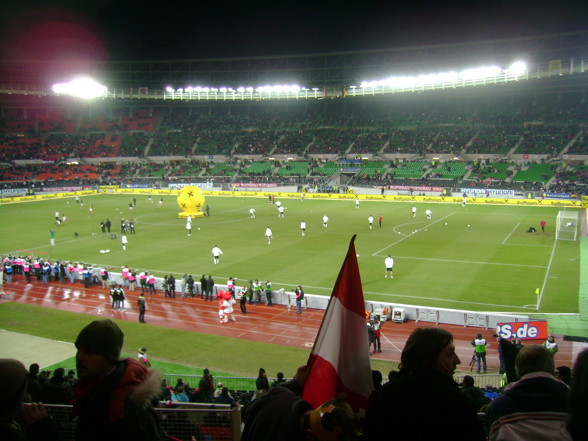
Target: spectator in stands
(474,392)
(225,397)
(206,385)
(197,396)
(537,391)
(113,396)
(33,417)
(179,395)
(262,382)
(490,392)
(218,390)
(71,378)
(333,419)
(578,405)
(279,380)
(377,378)
(34,384)
(564,373)
(282,415)
(424,391)
(57,390)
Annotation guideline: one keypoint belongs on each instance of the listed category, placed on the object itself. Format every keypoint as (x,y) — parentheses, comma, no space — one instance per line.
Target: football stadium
(438,187)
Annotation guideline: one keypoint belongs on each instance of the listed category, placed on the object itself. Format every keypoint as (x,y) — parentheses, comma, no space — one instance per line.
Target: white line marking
(407,236)
(540,297)
(466,261)
(510,234)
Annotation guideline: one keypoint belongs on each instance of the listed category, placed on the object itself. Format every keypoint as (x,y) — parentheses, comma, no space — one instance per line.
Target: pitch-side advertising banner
(523,330)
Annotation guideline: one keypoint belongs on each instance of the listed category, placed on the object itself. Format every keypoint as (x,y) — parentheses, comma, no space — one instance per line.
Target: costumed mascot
(225,306)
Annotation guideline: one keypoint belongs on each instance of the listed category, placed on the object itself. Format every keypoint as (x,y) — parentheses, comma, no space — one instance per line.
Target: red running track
(275,325)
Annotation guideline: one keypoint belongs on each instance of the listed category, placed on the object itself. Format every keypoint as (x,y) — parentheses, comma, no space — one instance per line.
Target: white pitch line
(540,297)
(468,261)
(407,236)
(510,234)
(527,245)
(444,300)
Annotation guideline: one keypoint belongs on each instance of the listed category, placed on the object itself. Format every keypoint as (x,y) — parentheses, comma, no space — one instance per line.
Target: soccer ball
(445,223)
(468,225)
(357,255)
(198,229)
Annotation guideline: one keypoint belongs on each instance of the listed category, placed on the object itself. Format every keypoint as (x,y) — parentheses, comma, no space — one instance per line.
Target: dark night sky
(172,29)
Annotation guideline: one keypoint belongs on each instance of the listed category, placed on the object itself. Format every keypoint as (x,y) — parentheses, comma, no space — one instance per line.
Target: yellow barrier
(40,197)
(570,203)
(400,198)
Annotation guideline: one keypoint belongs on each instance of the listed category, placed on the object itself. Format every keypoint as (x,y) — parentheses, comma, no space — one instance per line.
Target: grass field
(171,350)
(476,258)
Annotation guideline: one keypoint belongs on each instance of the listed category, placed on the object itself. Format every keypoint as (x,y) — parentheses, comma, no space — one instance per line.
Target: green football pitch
(475,258)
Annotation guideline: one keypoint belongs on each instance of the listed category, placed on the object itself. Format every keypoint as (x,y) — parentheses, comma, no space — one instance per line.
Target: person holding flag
(340,361)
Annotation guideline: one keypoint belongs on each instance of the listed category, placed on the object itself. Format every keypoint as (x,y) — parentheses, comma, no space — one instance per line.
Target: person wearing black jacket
(423,402)
(262,382)
(171,281)
(203,286)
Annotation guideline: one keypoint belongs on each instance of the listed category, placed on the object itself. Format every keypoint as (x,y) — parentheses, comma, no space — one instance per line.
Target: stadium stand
(293,169)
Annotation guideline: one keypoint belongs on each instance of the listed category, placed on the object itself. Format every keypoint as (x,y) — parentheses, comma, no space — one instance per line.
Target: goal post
(567,225)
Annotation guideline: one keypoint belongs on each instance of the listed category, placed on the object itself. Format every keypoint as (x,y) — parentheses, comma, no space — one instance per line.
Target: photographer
(299,297)
(479,344)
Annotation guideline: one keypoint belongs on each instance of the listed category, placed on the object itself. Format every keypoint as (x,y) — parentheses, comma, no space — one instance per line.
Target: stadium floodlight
(180,90)
(480,73)
(169,89)
(223,89)
(249,89)
(518,68)
(213,89)
(206,89)
(242,89)
(198,89)
(82,87)
(295,88)
(189,89)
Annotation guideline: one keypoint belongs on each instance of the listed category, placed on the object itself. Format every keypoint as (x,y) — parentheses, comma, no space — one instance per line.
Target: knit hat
(104,337)
(14,378)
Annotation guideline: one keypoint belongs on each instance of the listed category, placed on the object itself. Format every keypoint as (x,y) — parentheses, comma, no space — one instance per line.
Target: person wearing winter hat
(262,383)
(113,399)
(33,416)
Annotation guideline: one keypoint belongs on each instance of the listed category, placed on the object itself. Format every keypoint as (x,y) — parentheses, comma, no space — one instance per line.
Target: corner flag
(339,361)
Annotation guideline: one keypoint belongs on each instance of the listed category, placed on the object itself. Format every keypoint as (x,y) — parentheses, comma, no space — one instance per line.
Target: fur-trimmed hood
(139,386)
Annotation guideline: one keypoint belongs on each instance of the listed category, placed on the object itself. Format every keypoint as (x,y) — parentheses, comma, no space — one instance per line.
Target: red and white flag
(339,361)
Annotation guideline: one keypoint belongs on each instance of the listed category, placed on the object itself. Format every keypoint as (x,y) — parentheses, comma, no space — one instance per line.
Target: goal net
(567,225)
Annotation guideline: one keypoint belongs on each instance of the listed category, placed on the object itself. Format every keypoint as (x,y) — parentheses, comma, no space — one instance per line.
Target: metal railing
(182,421)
